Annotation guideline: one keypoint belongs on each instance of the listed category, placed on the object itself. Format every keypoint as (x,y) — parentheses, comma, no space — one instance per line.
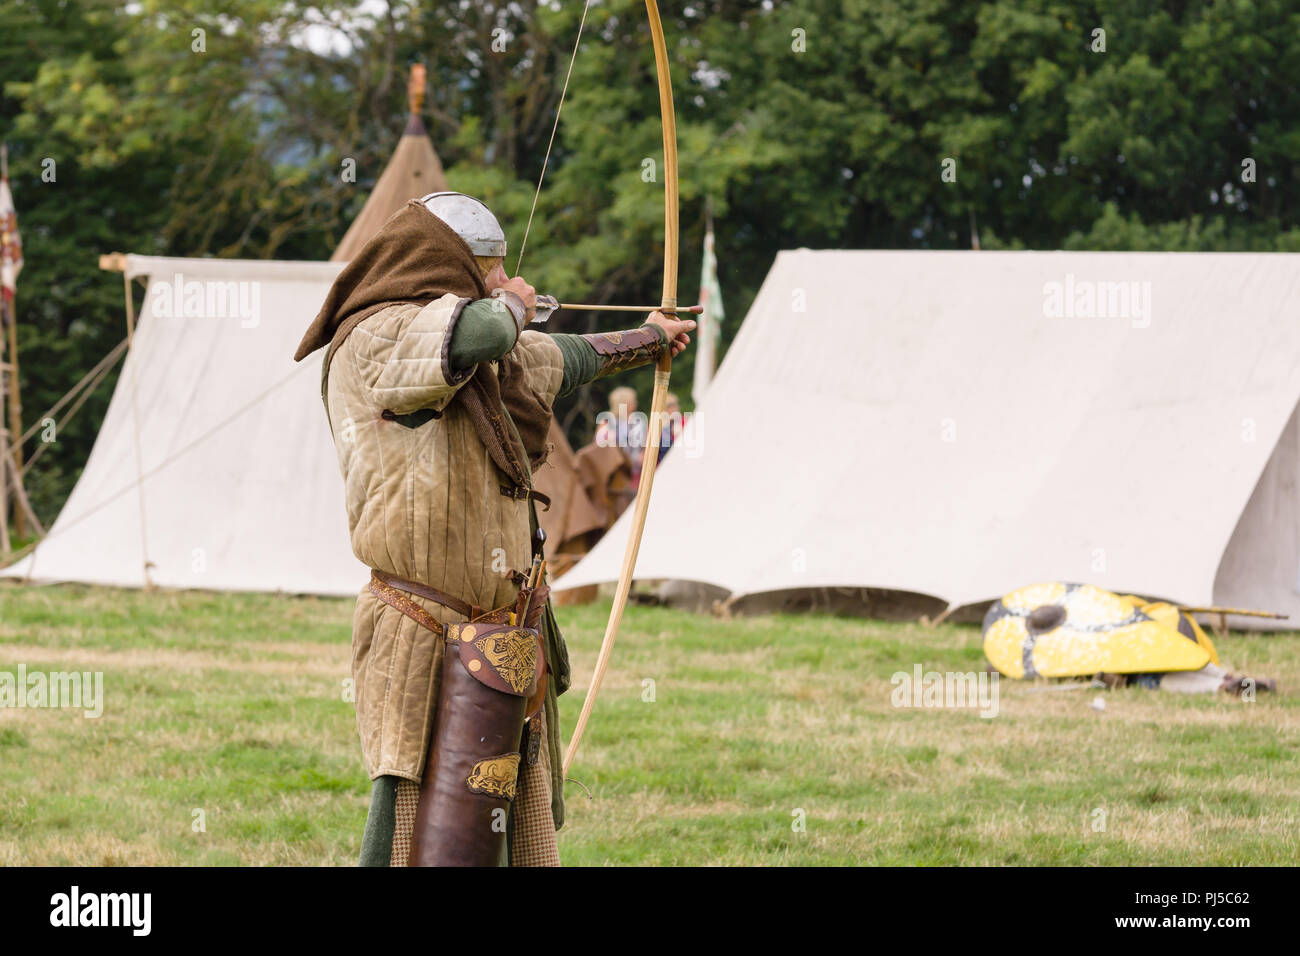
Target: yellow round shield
(1057,629)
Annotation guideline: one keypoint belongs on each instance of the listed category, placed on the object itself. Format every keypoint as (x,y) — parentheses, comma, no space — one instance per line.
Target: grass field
(233,705)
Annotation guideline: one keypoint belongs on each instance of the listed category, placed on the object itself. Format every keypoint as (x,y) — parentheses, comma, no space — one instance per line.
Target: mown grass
(712,740)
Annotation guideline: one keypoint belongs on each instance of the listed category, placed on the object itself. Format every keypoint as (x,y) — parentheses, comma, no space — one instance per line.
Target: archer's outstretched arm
(589,357)
(487,331)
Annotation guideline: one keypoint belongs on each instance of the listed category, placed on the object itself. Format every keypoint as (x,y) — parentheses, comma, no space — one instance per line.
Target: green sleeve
(484,332)
(581,363)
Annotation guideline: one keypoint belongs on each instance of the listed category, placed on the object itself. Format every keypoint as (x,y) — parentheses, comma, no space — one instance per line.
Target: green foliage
(820,123)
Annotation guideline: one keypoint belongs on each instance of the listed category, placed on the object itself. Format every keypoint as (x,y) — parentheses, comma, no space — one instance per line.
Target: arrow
(692,309)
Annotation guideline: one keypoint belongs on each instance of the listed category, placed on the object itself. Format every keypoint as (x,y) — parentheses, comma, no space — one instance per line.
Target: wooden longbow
(663,369)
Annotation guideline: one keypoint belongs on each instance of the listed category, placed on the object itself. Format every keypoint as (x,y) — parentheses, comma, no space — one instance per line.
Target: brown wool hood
(415,257)
(418,258)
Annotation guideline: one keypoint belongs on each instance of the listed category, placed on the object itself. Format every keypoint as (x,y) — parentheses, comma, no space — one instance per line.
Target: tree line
(204,128)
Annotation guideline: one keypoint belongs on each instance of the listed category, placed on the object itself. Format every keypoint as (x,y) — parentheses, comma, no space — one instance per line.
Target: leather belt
(428,592)
(396,593)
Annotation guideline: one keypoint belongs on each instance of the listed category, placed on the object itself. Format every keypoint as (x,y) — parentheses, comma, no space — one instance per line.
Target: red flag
(11,244)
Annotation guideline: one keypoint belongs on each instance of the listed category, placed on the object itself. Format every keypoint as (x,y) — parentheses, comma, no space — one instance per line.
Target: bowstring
(551,142)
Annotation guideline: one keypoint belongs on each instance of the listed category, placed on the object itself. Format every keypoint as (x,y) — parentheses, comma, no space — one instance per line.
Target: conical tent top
(413,171)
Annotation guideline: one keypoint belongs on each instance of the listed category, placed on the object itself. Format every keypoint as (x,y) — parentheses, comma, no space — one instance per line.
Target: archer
(447,396)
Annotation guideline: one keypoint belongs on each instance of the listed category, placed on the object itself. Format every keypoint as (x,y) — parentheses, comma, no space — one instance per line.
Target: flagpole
(4,473)
(16,414)
(15,396)
(706,352)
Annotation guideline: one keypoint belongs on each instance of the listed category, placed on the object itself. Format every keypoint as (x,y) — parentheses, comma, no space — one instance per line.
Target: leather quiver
(471,776)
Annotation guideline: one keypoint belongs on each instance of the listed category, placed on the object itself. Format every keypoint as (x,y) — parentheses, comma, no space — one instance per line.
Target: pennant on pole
(709,331)
(11,244)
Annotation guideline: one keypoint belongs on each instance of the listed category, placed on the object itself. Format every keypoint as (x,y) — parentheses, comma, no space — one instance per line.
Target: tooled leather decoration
(506,658)
(623,350)
(513,655)
(495,776)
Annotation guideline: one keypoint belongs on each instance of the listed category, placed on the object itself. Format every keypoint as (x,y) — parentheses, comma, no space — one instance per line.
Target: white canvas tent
(214,465)
(950,426)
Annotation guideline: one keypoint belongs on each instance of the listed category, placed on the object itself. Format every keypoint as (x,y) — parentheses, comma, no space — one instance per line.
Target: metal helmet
(471,220)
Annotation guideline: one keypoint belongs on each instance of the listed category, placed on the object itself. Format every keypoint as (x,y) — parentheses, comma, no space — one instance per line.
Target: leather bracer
(623,350)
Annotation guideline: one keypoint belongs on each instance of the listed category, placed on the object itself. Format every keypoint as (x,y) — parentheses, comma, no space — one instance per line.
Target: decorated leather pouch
(471,775)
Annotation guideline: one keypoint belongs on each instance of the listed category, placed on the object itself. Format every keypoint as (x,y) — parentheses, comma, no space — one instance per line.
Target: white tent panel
(241,487)
(1262,561)
(931,422)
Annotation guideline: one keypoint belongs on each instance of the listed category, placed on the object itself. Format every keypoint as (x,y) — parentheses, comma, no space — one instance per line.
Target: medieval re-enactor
(439,400)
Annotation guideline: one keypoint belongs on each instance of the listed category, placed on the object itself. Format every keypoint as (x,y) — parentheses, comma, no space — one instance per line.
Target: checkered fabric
(408,797)
(533,842)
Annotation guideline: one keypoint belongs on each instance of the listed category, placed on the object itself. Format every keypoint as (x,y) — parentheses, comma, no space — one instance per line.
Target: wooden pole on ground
(15,414)
(4,478)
